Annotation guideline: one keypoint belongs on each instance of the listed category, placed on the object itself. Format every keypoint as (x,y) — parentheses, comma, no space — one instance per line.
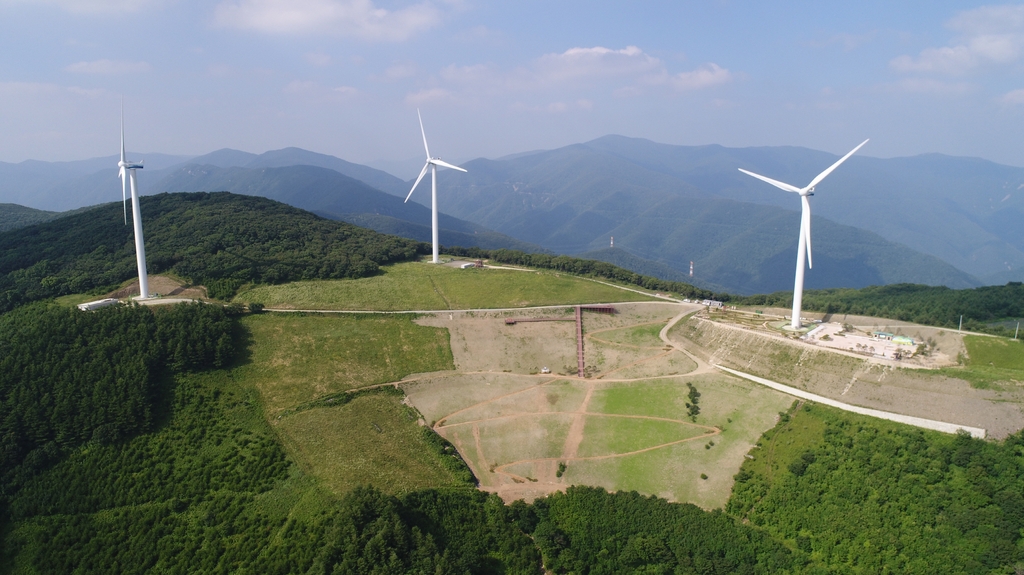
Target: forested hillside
(13,216)
(68,377)
(221,239)
(866,496)
(928,305)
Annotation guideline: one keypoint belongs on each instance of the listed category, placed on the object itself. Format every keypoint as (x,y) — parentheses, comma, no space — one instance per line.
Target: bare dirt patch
(483,342)
(163,286)
(853,379)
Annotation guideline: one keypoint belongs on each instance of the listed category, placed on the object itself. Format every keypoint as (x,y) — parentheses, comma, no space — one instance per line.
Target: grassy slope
(298,358)
(372,440)
(742,410)
(413,286)
(996,352)
(991,362)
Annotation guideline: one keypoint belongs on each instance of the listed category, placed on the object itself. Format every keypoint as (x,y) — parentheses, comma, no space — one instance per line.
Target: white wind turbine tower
(127,173)
(804,245)
(432,164)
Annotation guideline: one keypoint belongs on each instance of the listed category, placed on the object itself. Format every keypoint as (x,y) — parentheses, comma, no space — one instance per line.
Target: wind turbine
(127,173)
(432,164)
(804,244)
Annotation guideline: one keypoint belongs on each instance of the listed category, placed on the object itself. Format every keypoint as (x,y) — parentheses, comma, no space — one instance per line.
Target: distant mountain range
(322,184)
(929,219)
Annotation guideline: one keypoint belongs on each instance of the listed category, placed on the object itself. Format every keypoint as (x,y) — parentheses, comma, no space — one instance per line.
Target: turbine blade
(805,228)
(124,197)
(424,132)
(776,183)
(439,162)
(822,175)
(423,172)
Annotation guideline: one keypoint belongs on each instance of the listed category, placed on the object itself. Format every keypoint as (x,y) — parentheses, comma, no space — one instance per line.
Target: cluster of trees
(69,377)
(586,268)
(218,238)
(693,406)
(588,530)
(872,497)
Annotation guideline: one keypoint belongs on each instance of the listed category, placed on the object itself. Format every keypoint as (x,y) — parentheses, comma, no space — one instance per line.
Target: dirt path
(575,435)
(513,485)
(702,366)
(591,335)
(921,422)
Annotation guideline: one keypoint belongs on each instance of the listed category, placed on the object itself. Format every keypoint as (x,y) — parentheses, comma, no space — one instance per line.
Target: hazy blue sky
(344,77)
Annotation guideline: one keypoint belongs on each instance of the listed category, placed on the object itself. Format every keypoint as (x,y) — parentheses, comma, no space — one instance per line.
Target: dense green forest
(68,377)
(929,305)
(13,216)
(219,239)
(867,496)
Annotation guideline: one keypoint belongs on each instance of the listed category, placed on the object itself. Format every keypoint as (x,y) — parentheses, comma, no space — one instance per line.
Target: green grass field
(741,409)
(296,358)
(991,363)
(638,335)
(997,352)
(372,440)
(605,435)
(421,286)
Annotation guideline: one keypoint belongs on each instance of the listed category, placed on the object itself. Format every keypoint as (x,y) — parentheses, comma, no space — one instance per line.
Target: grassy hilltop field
(437,436)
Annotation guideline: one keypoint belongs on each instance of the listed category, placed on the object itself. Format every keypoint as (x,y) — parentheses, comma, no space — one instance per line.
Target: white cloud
(312,91)
(108,67)
(1015,97)
(318,59)
(849,42)
(597,62)
(704,77)
(91,6)
(556,107)
(428,96)
(358,18)
(35,89)
(930,86)
(301,87)
(986,36)
(399,71)
(624,72)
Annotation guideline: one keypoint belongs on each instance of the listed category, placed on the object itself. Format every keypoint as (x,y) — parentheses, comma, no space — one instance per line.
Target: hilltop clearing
(627,427)
(421,286)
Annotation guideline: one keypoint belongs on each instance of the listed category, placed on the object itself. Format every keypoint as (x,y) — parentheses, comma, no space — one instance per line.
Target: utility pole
(1016,330)
(961,324)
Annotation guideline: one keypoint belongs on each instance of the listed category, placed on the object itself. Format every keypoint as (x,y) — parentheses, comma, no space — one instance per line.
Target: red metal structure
(580,363)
